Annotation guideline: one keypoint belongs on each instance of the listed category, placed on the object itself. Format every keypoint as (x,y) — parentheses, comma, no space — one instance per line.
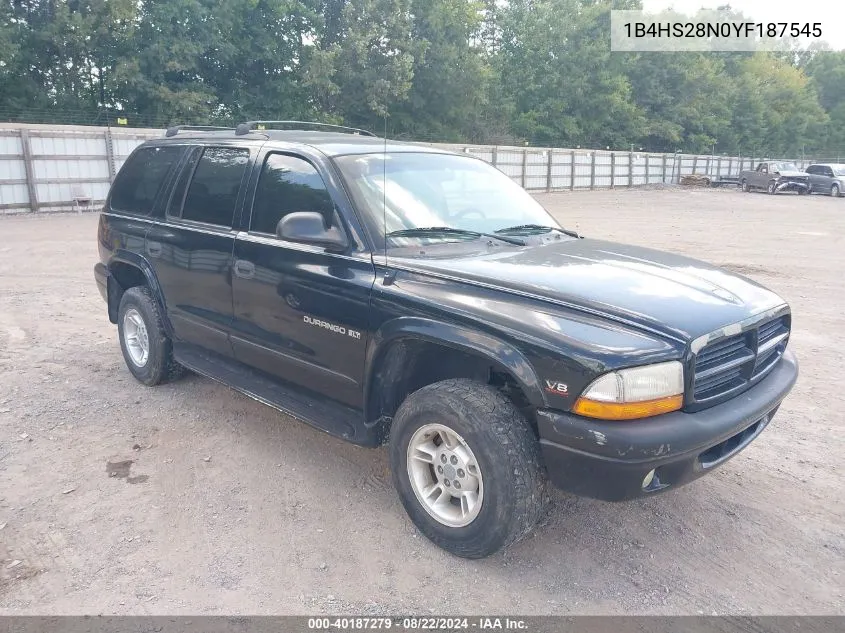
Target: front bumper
(792,185)
(609,460)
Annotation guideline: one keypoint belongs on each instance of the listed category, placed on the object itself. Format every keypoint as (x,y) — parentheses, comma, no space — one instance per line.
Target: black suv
(391,293)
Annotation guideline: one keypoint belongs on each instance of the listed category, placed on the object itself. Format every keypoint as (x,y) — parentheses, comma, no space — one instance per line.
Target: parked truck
(775,177)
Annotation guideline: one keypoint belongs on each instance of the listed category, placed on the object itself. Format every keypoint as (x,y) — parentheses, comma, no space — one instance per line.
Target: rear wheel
(146,347)
(744,186)
(834,190)
(772,188)
(466,465)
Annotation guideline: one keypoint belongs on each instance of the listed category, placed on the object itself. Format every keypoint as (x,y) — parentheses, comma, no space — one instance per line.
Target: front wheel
(772,189)
(834,190)
(466,465)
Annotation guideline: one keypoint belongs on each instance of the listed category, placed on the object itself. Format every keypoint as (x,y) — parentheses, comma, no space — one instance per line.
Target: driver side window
(763,168)
(287,184)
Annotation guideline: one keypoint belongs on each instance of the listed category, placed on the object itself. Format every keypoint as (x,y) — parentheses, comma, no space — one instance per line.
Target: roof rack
(246,128)
(173,130)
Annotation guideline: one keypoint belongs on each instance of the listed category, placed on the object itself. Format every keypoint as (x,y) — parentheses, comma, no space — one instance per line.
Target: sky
(831,13)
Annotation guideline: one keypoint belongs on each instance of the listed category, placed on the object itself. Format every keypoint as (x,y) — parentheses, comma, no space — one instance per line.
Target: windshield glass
(426,190)
(839,170)
(784,167)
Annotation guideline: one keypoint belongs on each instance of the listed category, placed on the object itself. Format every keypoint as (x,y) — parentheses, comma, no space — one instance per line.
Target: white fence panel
(45,167)
(583,169)
(561,175)
(602,170)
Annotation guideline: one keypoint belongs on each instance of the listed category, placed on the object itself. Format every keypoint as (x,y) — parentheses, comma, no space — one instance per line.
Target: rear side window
(214,188)
(287,184)
(141,178)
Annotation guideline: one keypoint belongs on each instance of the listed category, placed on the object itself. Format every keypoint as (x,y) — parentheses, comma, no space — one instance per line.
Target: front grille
(731,364)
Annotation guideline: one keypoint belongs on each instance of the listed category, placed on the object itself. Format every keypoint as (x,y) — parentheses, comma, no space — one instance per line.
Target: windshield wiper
(434,230)
(538,228)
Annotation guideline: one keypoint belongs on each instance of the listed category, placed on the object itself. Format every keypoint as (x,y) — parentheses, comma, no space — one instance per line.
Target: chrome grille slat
(772,342)
(737,361)
(730,365)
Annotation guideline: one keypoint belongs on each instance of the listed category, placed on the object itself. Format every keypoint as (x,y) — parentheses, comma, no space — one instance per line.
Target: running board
(322,413)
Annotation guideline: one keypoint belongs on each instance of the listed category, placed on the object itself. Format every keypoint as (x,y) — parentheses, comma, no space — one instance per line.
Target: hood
(679,296)
(793,174)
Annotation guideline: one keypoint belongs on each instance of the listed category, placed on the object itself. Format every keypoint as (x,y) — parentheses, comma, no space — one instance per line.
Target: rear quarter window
(140,180)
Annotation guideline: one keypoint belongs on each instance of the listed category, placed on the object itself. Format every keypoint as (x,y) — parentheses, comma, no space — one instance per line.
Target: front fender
(500,353)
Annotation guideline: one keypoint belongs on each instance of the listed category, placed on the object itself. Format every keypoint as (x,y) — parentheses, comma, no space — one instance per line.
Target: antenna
(384,198)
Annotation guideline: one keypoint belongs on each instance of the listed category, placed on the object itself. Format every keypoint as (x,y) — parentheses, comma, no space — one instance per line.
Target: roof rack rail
(173,130)
(246,128)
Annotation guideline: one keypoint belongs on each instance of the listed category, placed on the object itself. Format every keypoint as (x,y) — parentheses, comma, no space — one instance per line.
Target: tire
(138,319)
(834,190)
(771,189)
(511,483)
(744,186)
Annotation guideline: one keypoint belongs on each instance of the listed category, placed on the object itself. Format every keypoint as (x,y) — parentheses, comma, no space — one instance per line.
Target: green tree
(685,99)
(826,70)
(776,105)
(448,97)
(361,69)
(558,80)
(62,53)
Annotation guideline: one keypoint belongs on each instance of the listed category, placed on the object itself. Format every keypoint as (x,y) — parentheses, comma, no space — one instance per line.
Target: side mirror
(309,227)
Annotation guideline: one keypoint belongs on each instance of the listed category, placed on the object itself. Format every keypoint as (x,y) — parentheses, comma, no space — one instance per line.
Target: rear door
(300,311)
(191,249)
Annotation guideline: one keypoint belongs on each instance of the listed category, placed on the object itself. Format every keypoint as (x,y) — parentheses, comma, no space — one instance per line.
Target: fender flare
(501,354)
(133,259)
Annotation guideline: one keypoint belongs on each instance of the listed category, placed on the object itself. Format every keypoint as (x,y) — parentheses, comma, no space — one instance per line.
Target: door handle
(154,249)
(244,269)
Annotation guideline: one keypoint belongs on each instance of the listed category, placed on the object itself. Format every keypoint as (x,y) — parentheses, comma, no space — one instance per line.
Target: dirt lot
(229,507)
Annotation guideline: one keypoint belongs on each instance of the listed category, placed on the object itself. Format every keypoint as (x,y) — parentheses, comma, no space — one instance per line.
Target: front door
(300,312)
(825,179)
(816,177)
(192,249)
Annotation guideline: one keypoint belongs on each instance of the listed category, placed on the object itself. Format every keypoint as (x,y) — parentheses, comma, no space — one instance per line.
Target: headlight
(634,393)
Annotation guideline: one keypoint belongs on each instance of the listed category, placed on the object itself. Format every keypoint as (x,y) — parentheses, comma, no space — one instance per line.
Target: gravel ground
(190,498)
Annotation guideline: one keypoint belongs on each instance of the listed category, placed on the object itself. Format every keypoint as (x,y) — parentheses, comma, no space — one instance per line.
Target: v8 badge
(557,388)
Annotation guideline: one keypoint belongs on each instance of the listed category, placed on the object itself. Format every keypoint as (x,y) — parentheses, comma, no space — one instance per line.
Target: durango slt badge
(332,327)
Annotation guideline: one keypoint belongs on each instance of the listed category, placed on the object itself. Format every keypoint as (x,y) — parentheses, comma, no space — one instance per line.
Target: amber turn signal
(627,410)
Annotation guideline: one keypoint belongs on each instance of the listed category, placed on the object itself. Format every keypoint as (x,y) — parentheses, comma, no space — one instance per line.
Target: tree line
(482,71)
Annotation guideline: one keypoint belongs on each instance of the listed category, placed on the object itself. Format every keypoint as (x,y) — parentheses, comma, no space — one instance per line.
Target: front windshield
(436,190)
(839,170)
(785,167)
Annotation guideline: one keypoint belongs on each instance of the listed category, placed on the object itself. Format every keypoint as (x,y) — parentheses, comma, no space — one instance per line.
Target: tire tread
(511,431)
